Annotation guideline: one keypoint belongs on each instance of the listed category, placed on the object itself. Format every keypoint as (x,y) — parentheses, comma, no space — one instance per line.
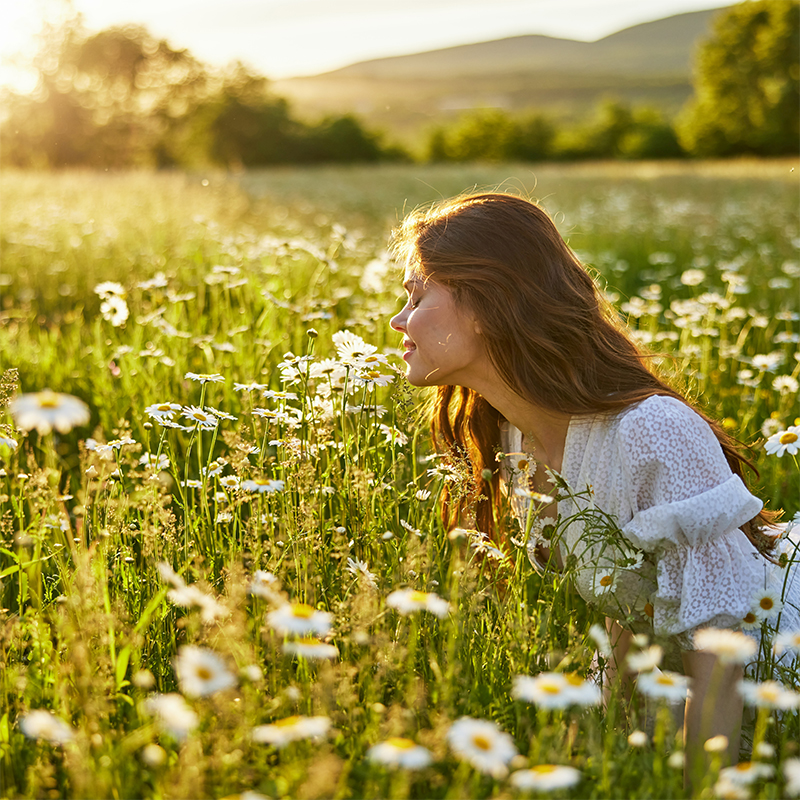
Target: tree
(747,83)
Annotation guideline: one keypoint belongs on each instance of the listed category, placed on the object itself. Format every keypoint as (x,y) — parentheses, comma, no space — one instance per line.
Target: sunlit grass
(324,481)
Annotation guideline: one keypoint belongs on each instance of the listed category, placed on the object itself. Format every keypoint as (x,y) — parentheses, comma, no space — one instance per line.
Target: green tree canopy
(747,83)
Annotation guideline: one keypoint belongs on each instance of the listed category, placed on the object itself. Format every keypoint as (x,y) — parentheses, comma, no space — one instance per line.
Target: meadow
(222,570)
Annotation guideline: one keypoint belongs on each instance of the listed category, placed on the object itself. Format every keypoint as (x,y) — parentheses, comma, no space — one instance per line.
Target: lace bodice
(678,559)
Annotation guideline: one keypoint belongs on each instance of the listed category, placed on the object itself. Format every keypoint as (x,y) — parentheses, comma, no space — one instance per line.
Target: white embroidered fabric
(681,558)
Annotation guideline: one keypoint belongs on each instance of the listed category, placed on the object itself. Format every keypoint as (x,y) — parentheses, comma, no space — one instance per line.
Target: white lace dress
(681,561)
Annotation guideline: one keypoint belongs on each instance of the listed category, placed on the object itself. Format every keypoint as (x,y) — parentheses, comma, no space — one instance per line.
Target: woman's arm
(715,705)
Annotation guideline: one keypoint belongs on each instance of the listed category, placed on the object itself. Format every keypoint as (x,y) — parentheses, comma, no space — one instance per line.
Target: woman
(527,357)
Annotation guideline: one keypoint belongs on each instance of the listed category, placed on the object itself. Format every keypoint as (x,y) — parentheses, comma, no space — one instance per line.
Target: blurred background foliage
(121,98)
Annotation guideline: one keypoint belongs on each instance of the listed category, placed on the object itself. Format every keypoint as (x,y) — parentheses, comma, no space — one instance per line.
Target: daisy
(603,581)
(726,789)
(47,410)
(281,733)
(746,772)
(637,739)
(115,444)
(230,482)
(787,441)
(6,441)
(750,621)
(788,640)
(482,744)
(204,377)
(767,605)
(150,461)
(173,714)
(361,569)
(202,419)
(299,619)
(310,648)
(249,387)
(768,694)
(153,755)
(110,289)
(192,597)
(263,485)
(669,685)
(407,601)
(42,724)
(264,584)
(201,672)
(327,368)
(555,690)
(544,499)
(791,770)
(114,310)
(351,347)
(545,778)
(645,660)
(731,647)
(400,752)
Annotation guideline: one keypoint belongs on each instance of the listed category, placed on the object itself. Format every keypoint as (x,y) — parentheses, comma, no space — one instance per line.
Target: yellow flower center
(262,481)
(551,688)
(606,580)
(164,407)
(418,597)
(481,742)
(649,610)
(744,766)
(665,680)
(544,769)
(769,693)
(200,415)
(48,399)
(767,603)
(204,673)
(788,438)
(573,679)
(369,359)
(289,722)
(749,618)
(302,610)
(400,743)
(522,464)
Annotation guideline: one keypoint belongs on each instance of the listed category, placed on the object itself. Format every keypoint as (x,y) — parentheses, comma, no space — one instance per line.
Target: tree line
(122,98)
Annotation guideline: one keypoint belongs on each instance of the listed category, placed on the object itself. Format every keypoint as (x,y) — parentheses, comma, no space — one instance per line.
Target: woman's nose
(398,322)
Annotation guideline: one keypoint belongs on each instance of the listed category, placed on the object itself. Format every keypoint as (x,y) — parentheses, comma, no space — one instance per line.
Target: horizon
(284,39)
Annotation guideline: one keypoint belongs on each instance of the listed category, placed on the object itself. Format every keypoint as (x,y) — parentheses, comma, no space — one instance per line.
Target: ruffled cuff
(712,584)
(694,521)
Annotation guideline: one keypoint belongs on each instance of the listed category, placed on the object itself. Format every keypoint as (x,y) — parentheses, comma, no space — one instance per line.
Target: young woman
(528,358)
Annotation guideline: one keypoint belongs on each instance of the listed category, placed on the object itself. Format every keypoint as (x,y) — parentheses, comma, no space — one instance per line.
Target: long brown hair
(547,330)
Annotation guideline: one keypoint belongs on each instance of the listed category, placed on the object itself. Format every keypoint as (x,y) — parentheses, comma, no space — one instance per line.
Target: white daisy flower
(201,672)
(172,713)
(785,384)
(787,441)
(203,419)
(153,755)
(555,690)
(637,739)
(767,605)
(43,724)
(264,584)
(791,771)
(114,444)
(768,694)
(153,462)
(351,347)
(361,570)
(114,310)
(750,621)
(263,485)
(645,660)
(545,778)
(770,426)
(204,377)
(110,289)
(6,441)
(291,729)
(603,581)
(726,789)
(731,647)
(407,601)
(230,482)
(249,387)
(46,410)
(788,640)
(669,685)
(746,772)
(599,635)
(310,648)
(482,744)
(193,597)
(299,619)
(400,752)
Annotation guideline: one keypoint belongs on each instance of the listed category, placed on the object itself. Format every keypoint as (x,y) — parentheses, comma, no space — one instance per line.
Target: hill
(649,64)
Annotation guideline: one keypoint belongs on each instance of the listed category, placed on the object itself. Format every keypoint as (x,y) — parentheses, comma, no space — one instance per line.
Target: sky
(288,38)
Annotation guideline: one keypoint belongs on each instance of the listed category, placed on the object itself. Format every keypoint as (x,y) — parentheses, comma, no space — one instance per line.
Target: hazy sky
(283,38)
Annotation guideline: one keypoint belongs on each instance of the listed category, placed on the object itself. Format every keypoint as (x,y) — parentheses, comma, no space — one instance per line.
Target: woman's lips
(410,347)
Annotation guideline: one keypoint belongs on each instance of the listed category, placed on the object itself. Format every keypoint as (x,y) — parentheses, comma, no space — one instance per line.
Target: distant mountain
(649,64)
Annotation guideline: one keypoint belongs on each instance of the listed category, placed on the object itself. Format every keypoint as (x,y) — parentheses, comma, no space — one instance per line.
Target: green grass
(251,263)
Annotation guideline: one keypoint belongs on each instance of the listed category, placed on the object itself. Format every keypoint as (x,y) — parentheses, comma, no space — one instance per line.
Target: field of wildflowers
(222,573)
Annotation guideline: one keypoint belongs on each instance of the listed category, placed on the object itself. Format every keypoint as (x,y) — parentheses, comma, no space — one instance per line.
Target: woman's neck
(544,430)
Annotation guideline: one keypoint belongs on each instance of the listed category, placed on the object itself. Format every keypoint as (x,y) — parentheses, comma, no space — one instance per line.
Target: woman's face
(442,341)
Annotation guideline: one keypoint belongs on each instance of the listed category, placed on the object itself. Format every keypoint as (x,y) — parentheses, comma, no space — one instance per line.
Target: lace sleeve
(688,507)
